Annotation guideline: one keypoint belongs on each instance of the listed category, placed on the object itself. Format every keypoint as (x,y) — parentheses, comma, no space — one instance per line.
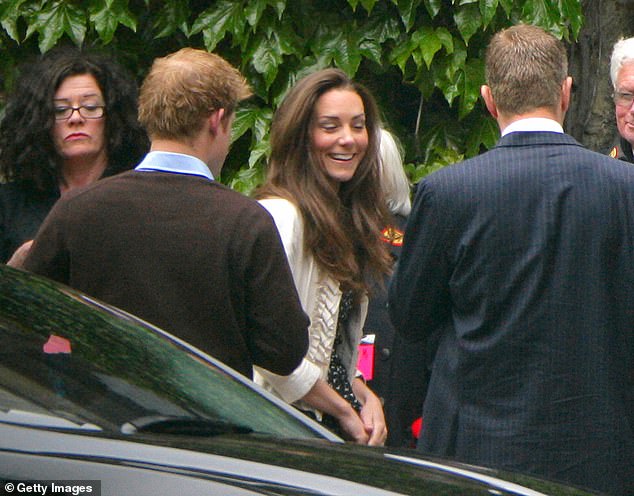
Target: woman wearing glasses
(71,121)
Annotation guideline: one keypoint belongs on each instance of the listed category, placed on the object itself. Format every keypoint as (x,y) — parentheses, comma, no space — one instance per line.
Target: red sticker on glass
(56,344)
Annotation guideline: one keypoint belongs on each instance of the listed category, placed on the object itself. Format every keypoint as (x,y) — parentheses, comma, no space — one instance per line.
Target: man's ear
(487,96)
(566,92)
(215,120)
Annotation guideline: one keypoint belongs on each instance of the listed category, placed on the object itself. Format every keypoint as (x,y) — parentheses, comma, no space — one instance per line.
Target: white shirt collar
(176,163)
(532,124)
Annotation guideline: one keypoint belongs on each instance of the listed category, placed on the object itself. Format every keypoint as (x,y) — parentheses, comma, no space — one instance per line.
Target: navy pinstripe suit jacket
(519,263)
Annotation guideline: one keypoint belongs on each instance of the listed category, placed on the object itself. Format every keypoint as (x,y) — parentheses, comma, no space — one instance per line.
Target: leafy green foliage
(423,59)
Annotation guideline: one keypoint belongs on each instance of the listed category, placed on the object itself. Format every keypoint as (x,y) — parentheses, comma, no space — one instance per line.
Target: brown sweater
(186,254)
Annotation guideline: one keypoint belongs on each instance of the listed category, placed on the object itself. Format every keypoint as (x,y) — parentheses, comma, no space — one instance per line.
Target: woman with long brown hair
(323,191)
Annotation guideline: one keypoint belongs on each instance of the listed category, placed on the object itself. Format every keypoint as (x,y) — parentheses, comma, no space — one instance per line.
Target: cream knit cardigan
(320,297)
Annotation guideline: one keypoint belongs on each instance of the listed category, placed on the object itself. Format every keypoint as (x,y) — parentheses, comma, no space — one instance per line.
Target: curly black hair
(27,150)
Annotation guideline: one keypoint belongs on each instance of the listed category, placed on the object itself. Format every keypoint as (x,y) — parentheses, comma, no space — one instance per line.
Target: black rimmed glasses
(623,98)
(63,112)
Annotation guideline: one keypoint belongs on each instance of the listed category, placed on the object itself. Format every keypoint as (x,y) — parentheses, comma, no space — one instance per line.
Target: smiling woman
(340,137)
(323,192)
(72,120)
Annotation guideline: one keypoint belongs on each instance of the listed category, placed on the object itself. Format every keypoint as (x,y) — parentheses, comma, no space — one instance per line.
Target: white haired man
(622,76)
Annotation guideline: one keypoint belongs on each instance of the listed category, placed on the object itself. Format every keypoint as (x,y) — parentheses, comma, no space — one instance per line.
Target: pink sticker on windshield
(56,344)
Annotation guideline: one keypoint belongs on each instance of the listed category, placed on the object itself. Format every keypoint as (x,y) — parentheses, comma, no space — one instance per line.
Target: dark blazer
(622,150)
(400,377)
(186,254)
(22,210)
(521,262)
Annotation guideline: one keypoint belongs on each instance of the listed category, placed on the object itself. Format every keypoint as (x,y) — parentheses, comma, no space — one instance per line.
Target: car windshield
(67,361)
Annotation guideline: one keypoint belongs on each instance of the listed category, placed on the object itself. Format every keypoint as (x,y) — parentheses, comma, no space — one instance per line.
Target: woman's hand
(323,397)
(371,413)
(353,426)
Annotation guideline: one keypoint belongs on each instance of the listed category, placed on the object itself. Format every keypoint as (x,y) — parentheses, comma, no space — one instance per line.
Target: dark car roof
(251,464)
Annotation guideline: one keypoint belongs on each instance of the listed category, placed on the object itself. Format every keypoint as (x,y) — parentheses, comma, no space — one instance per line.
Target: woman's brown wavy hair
(342,221)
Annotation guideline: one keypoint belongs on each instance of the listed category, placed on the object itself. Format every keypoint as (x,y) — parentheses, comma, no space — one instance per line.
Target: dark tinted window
(65,361)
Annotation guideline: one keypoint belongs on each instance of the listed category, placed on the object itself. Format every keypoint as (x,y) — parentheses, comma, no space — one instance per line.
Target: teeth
(341,156)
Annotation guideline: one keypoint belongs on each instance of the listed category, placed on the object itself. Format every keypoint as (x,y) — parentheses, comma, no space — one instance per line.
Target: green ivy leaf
(417,55)
(348,57)
(287,40)
(449,81)
(446,39)
(443,135)
(428,43)
(473,79)
(247,180)
(266,59)
(468,20)
(484,132)
(507,5)
(172,16)
(262,124)
(372,50)
(253,11)
(251,118)
(10,11)
(488,8)
(265,51)
(106,16)
(441,142)
(368,5)
(279,6)
(441,158)
(307,65)
(243,121)
(339,45)
(217,20)
(402,52)
(353,4)
(382,28)
(260,151)
(408,12)
(545,14)
(425,82)
(57,19)
(571,10)
(448,76)
(433,7)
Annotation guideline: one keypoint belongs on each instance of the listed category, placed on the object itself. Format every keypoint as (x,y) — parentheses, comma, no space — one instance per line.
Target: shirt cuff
(293,387)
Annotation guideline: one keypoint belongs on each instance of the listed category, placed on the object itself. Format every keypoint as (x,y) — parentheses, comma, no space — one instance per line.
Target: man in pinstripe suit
(519,263)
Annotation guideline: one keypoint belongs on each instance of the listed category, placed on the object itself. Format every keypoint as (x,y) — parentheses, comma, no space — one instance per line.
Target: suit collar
(534,138)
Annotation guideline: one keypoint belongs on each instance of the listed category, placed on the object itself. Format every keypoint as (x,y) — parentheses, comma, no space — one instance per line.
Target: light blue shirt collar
(175,163)
(533,124)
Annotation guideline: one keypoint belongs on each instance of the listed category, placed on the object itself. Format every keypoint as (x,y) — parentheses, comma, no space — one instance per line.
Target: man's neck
(506,120)
(172,146)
